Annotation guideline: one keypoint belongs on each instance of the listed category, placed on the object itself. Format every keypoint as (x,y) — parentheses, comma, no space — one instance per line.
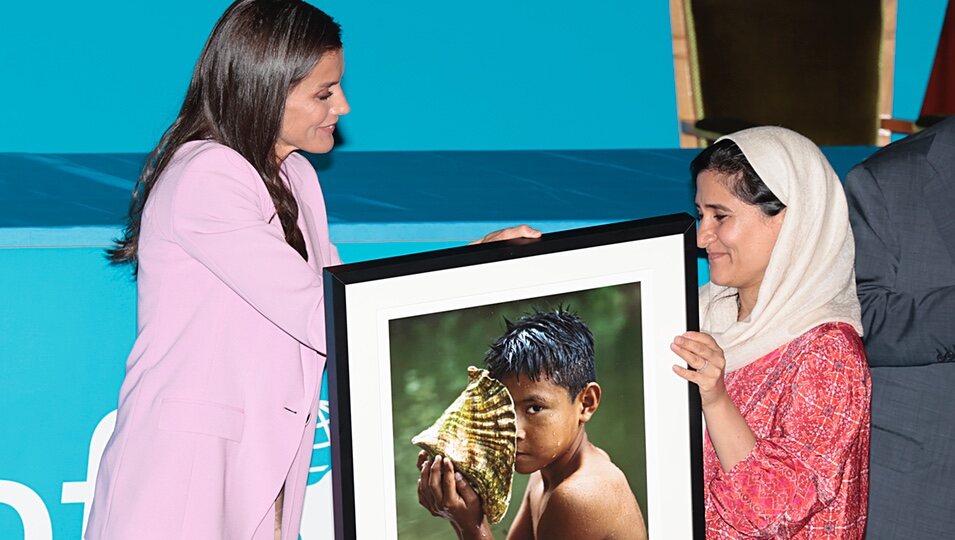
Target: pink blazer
(217,410)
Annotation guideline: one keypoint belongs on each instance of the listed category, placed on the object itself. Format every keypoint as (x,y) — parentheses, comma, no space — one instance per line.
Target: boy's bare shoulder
(594,502)
(598,484)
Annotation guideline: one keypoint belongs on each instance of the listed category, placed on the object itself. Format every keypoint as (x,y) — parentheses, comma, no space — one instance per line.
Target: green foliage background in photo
(429,359)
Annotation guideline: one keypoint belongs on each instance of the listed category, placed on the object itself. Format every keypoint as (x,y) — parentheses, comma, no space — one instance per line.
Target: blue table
(81,199)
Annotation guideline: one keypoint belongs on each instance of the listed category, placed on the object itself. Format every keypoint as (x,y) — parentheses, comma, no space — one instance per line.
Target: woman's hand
(731,436)
(703,354)
(520,231)
(447,494)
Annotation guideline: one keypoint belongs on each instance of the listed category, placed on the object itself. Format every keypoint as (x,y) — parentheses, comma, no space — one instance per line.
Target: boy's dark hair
(556,345)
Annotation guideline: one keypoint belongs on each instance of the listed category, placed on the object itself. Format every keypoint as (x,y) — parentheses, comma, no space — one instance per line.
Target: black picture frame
(364,300)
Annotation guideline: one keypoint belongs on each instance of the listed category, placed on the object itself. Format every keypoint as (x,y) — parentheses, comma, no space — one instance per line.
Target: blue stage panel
(80,199)
(67,321)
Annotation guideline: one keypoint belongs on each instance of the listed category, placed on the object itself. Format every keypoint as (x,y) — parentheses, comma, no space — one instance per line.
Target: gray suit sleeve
(902,328)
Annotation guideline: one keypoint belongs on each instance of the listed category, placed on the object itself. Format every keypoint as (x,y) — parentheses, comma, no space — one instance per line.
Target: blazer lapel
(316,260)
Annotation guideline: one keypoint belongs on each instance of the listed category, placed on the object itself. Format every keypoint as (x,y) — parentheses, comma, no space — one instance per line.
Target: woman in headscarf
(779,362)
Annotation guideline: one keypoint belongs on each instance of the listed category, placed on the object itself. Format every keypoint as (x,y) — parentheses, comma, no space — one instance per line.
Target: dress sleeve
(798,469)
(217,218)
(902,328)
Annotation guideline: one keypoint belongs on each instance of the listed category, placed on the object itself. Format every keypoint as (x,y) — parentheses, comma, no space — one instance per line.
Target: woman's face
(313,107)
(738,237)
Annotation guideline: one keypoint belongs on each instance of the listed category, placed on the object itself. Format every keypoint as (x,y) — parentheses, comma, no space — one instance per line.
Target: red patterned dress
(807,402)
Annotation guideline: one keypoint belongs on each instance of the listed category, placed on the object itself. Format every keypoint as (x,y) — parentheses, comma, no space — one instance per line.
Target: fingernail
(457,476)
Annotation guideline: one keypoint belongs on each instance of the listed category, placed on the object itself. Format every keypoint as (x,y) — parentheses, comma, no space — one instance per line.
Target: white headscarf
(810,278)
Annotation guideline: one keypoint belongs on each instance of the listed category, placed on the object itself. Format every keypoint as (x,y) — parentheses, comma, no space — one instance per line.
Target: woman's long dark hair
(257,52)
(726,157)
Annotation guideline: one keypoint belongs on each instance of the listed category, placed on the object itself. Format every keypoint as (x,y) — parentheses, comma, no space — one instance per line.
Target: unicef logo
(34,515)
(322,449)
(317,515)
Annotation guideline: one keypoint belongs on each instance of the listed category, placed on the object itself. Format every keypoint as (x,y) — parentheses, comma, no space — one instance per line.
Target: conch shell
(478,432)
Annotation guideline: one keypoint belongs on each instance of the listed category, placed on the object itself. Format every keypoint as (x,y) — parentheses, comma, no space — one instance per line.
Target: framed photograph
(402,333)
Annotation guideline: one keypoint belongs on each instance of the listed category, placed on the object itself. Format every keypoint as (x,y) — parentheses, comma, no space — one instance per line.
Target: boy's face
(548,421)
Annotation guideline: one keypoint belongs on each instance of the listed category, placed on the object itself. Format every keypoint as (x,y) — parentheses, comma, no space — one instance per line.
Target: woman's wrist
(731,436)
(715,400)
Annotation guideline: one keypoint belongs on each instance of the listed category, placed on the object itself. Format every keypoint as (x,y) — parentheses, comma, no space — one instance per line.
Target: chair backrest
(809,65)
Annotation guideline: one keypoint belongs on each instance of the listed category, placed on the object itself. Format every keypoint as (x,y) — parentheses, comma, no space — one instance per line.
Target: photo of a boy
(546,361)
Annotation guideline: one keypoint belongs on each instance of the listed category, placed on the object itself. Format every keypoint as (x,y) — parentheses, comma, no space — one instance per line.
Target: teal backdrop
(109,75)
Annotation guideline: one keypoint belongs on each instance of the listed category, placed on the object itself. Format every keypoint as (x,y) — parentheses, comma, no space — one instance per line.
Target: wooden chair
(819,67)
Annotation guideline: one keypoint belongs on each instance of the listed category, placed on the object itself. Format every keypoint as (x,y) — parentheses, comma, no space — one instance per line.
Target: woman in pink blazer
(229,235)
